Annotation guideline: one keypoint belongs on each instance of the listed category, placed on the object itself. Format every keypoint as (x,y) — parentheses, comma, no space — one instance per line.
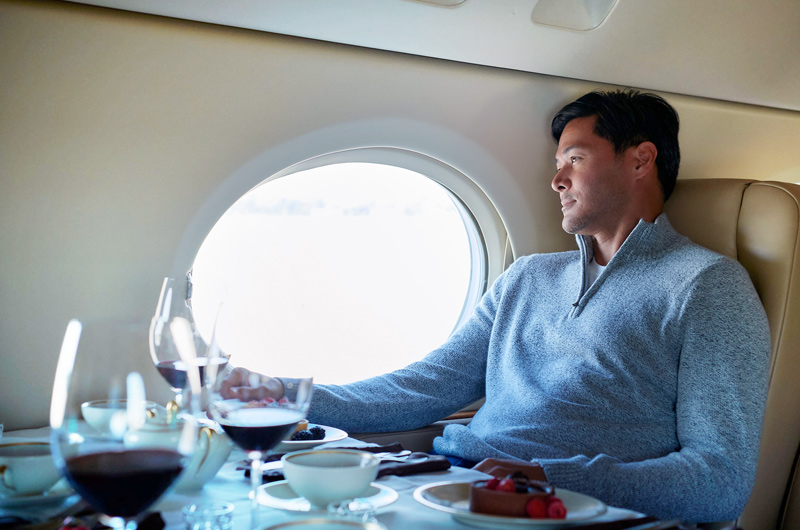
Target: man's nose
(561,180)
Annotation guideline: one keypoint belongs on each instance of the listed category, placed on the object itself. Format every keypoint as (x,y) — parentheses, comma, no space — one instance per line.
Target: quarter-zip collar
(637,243)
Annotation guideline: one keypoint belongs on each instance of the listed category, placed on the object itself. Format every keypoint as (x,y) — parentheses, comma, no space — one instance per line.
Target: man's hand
(501,468)
(244,385)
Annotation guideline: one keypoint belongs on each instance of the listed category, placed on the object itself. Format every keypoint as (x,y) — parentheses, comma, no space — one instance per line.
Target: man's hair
(627,118)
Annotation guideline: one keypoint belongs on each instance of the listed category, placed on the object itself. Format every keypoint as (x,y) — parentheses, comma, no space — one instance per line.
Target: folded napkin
(415,466)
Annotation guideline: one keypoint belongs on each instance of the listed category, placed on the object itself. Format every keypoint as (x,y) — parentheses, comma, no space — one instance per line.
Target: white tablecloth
(231,485)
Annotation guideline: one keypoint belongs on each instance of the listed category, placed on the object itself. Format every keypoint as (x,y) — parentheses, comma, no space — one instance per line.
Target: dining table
(398,508)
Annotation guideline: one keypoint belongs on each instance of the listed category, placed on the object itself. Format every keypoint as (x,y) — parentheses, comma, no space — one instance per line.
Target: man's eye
(573,159)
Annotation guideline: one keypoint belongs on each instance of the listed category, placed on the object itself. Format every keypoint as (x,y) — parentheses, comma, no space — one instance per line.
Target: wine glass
(117,450)
(164,348)
(257,426)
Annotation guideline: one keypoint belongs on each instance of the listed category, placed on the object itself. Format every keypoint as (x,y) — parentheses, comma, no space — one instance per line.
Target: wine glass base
(118,523)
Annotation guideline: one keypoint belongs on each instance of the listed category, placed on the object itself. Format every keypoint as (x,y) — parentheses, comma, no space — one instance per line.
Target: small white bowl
(329,475)
(98,413)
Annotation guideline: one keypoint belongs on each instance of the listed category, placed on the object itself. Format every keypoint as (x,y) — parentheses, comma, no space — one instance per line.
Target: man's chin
(572,226)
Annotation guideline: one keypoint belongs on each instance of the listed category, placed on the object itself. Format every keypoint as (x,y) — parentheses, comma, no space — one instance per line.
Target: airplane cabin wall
(123,137)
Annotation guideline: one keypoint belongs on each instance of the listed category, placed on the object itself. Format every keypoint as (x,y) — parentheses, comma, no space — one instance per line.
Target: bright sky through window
(348,269)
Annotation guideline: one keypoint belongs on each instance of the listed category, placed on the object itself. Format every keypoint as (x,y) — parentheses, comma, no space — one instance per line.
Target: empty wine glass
(163,346)
(102,424)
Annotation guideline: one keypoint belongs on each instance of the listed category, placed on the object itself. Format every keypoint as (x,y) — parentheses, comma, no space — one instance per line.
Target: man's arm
(446,380)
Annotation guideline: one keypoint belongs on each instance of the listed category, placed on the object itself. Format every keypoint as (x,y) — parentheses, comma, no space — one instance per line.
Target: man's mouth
(566,203)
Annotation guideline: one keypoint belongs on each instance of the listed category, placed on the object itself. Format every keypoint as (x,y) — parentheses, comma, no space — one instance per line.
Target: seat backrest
(758,224)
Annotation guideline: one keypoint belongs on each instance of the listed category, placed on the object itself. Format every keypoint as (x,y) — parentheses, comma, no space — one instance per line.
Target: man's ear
(645,158)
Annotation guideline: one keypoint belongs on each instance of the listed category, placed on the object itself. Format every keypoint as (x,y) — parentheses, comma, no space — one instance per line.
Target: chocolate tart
(509,503)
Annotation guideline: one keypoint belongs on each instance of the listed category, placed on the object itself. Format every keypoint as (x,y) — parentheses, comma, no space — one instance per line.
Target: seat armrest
(415,440)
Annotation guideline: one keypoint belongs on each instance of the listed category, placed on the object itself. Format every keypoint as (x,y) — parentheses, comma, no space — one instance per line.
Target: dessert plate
(453,498)
(280,495)
(332,434)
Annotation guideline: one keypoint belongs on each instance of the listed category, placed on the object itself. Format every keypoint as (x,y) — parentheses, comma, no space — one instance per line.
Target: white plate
(280,495)
(54,496)
(453,498)
(332,434)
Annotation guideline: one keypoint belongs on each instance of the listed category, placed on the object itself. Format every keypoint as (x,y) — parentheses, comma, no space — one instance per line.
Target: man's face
(589,180)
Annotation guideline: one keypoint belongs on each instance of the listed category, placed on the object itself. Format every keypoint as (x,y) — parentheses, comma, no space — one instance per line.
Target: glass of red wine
(102,424)
(257,423)
(172,304)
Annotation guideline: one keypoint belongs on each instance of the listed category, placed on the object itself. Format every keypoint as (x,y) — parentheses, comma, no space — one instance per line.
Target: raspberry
(536,508)
(317,432)
(507,484)
(556,509)
(492,483)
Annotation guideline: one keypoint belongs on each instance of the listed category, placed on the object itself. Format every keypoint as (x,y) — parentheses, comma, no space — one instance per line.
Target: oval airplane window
(355,269)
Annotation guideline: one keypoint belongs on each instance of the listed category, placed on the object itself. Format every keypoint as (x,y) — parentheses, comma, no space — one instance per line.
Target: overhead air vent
(580,15)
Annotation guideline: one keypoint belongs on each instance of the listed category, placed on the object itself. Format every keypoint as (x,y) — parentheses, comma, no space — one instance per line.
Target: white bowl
(329,475)
(99,413)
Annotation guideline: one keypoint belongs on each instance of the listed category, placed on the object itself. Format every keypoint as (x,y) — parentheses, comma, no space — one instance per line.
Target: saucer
(54,496)
(280,495)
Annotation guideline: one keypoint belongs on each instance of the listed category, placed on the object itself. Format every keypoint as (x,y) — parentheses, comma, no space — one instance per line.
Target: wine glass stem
(179,398)
(119,523)
(255,480)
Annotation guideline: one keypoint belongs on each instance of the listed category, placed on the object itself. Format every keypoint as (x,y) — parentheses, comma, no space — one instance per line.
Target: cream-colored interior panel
(735,50)
(117,130)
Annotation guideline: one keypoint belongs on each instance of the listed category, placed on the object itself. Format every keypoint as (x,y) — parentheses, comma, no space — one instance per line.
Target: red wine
(175,371)
(123,483)
(259,428)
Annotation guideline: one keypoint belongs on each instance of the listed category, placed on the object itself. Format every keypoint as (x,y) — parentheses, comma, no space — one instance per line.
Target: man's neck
(606,244)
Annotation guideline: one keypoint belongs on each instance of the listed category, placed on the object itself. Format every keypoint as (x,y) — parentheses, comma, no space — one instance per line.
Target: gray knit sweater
(645,389)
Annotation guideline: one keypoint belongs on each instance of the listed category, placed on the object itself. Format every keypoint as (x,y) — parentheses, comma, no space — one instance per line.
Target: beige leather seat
(758,223)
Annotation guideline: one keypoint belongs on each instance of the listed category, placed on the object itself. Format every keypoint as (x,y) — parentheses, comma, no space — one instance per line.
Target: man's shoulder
(693,265)
(541,268)
(543,262)
(674,241)
(547,258)
(684,253)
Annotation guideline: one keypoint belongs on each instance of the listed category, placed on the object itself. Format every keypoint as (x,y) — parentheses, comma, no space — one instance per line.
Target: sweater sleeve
(446,380)
(721,396)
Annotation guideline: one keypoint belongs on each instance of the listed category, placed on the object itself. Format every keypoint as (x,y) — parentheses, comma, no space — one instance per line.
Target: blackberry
(302,435)
(317,432)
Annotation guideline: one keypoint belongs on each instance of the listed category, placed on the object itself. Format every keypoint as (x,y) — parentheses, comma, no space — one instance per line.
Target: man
(633,369)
